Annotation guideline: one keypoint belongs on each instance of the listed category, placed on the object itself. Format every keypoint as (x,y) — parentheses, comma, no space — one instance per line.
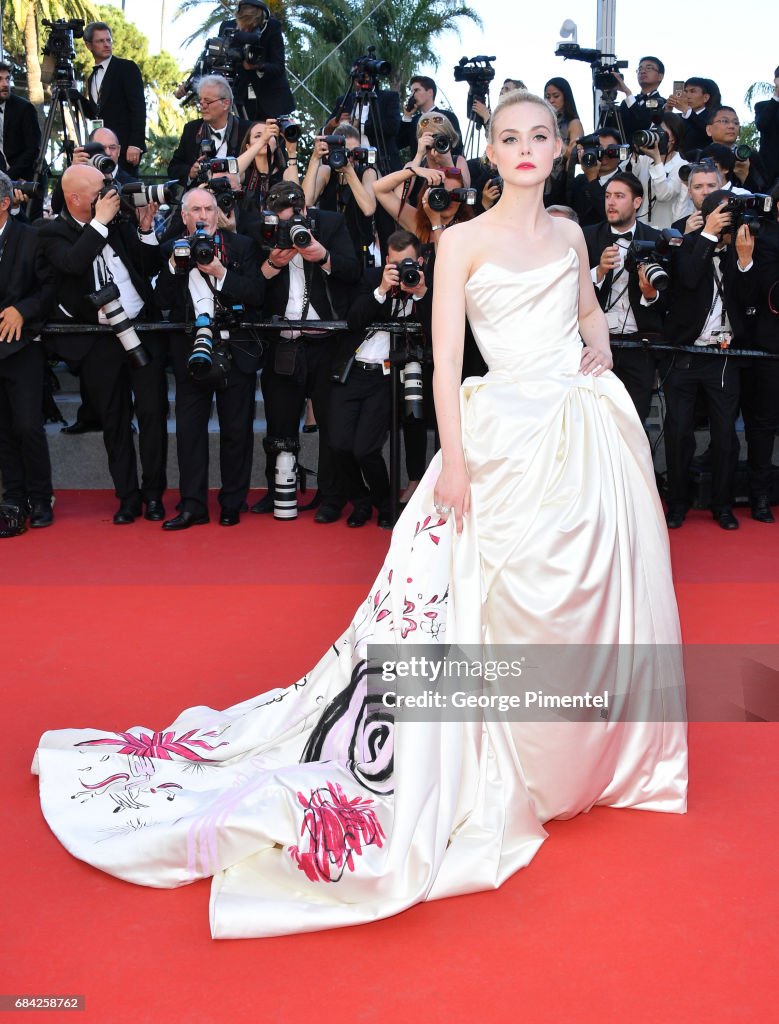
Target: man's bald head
(80,186)
(107,139)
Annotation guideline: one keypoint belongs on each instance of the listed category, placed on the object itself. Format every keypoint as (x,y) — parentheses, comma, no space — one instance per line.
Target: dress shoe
(264,505)
(41,513)
(80,428)
(127,513)
(674,518)
(361,514)
(184,520)
(229,517)
(761,510)
(726,520)
(385,519)
(155,511)
(328,514)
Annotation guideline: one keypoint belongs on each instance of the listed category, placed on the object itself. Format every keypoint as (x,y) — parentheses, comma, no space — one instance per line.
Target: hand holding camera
(107,206)
(146,216)
(745,245)
(647,288)
(718,220)
(620,84)
(610,259)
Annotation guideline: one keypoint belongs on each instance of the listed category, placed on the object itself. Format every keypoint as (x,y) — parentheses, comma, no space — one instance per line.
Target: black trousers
(760,409)
(636,368)
(360,412)
(284,396)
(235,409)
(150,391)
(24,450)
(105,379)
(718,377)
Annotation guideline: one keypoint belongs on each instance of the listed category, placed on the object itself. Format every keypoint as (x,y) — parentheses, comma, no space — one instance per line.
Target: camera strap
(718,282)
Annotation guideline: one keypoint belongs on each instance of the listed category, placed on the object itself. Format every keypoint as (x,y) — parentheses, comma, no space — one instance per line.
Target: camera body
(477,72)
(654,255)
(594,152)
(223,191)
(440,198)
(603,65)
(27,188)
(409,272)
(198,250)
(294,233)
(337,155)
(366,69)
(750,210)
(95,152)
(441,144)
(648,137)
(289,128)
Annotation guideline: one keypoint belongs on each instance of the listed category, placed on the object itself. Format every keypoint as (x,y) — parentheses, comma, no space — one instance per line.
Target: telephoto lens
(300,236)
(285,502)
(202,355)
(412,389)
(107,300)
(289,128)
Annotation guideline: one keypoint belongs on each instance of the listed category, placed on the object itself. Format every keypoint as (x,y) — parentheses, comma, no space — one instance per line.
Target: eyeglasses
(434,119)
(208,103)
(647,67)
(728,121)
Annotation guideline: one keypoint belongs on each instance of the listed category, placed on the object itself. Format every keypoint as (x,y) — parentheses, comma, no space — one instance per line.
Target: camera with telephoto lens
(412,389)
(648,138)
(135,195)
(209,360)
(27,188)
(441,144)
(440,198)
(337,155)
(654,256)
(95,151)
(223,191)
(59,52)
(215,165)
(594,152)
(296,232)
(198,250)
(603,65)
(366,69)
(478,72)
(744,152)
(108,301)
(749,209)
(289,128)
(409,272)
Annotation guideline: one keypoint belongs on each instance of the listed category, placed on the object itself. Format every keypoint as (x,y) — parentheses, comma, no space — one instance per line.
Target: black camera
(365,70)
(108,301)
(296,232)
(750,210)
(496,182)
(593,152)
(197,250)
(647,138)
(27,188)
(363,155)
(289,128)
(215,165)
(440,198)
(654,256)
(603,65)
(223,191)
(95,152)
(478,72)
(441,144)
(409,272)
(744,152)
(337,155)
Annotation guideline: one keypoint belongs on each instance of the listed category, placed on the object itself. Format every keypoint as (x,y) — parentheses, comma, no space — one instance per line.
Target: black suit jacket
(269,82)
(407,133)
(767,272)
(387,105)
(767,123)
(692,292)
(188,148)
(70,251)
(243,285)
(24,283)
(365,310)
(21,138)
(695,137)
(638,115)
(330,229)
(648,318)
(122,103)
(58,200)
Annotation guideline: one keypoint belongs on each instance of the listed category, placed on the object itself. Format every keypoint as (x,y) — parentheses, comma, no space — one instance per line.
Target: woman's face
(524,143)
(554,97)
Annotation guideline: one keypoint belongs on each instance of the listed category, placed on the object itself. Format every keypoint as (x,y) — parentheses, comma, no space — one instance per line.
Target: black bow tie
(628,235)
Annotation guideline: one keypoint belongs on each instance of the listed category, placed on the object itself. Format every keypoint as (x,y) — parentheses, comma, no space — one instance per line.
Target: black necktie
(95,83)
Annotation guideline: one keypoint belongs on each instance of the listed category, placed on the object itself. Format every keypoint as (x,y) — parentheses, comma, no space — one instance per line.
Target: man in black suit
(714,289)
(20,133)
(25,298)
(767,123)
(704,178)
(227,368)
(88,247)
(360,407)
(261,86)
(588,194)
(723,129)
(375,113)
(421,100)
(633,307)
(637,112)
(313,282)
(215,98)
(115,94)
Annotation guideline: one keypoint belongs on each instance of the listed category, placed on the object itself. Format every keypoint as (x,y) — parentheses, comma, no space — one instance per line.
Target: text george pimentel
(498,701)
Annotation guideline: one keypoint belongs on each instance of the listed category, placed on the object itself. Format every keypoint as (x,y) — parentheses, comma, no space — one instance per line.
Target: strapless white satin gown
(307,805)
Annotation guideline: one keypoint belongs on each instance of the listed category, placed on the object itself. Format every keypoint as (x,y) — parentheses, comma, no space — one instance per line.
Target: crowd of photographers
(681,230)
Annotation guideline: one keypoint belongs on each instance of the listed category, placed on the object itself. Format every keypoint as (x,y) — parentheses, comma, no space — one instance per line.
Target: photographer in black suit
(261,86)
(767,123)
(89,246)
(637,112)
(115,95)
(311,282)
(215,98)
(375,113)
(26,297)
(206,293)
(421,100)
(633,308)
(588,192)
(714,288)
(360,405)
(20,133)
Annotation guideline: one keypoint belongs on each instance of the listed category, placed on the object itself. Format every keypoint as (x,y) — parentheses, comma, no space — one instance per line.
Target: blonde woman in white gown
(537,523)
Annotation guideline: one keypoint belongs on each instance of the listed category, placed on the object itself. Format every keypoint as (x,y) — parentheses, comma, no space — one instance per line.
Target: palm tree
(756,90)
(21,19)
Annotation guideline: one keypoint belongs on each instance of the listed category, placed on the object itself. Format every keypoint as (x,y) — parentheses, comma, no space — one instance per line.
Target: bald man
(88,247)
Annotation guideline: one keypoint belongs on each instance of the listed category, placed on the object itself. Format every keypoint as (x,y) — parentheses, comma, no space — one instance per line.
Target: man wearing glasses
(216,122)
(724,129)
(637,111)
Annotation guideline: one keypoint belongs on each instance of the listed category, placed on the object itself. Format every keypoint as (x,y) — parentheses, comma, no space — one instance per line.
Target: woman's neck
(522,208)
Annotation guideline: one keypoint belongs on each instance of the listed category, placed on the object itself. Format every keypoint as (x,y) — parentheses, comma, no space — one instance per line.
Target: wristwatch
(325,258)
(271,264)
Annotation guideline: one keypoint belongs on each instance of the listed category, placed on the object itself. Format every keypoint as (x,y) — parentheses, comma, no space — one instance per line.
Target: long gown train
(309,806)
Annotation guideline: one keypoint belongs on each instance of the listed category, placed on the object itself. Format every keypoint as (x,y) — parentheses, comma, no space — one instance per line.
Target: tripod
(608,112)
(69,102)
(360,100)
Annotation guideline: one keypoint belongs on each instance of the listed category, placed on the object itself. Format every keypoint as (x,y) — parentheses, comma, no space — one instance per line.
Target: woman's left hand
(595,359)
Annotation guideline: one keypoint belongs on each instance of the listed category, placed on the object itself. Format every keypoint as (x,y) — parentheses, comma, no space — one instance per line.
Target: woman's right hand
(453,493)
(321,149)
(424,143)
(431,175)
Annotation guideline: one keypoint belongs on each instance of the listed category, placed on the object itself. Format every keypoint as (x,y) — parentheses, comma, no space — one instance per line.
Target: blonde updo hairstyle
(444,128)
(510,99)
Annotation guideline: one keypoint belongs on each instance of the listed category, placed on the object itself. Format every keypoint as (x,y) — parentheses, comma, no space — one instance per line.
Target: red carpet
(623,916)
